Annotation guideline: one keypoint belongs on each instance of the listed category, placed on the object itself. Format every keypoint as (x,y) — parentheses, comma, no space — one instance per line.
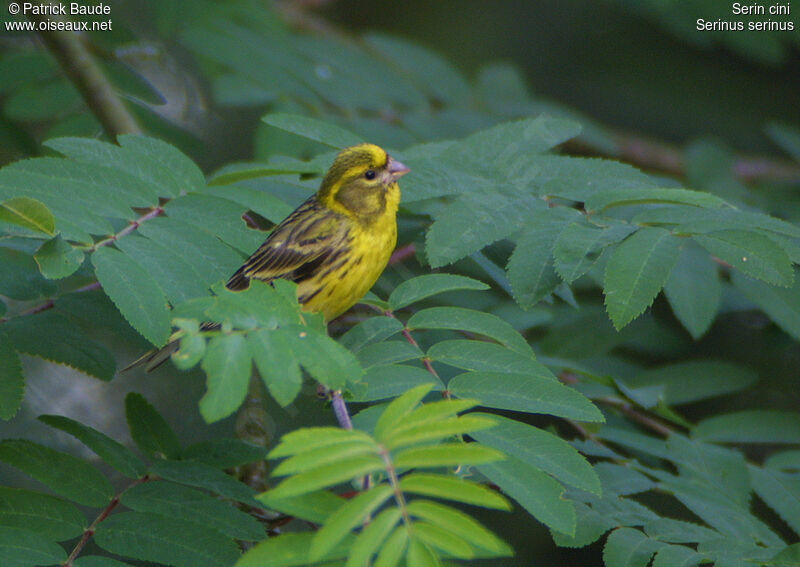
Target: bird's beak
(396,168)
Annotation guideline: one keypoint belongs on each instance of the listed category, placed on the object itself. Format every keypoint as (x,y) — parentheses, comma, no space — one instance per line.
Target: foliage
(535,293)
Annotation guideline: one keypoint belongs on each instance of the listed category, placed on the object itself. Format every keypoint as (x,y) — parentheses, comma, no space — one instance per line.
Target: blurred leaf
(66,475)
(57,259)
(446,455)
(288,550)
(12,381)
(149,430)
(752,253)
(20,277)
(46,515)
(371,538)
(785,136)
(459,524)
(312,129)
(327,475)
(750,426)
(781,304)
(451,488)
(203,476)
(28,213)
(224,453)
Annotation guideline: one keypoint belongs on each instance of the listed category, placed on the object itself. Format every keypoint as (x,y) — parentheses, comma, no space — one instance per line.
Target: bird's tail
(155,358)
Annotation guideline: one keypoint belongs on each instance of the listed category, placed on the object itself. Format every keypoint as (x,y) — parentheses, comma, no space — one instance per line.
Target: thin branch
(84,72)
(402,253)
(153,213)
(49,303)
(340,409)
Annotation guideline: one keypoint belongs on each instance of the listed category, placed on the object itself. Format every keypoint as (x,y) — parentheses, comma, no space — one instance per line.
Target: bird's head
(362,182)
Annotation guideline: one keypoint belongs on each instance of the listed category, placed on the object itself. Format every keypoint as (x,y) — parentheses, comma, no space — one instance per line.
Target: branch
(133,225)
(81,68)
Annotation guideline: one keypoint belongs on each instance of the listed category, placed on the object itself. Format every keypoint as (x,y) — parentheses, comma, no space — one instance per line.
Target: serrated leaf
(98,561)
(579,245)
(398,409)
(327,361)
(636,272)
(227,365)
(199,475)
(524,392)
(346,518)
(112,452)
(753,253)
(135,293)
(317,130)
(277,365)
(622,197)
(453,488)
(781,304)
(388,352)
(177,174)
(486,357)
(149,430)
(309,460)
(422,287)
(28,213)
(781,491)
(369,331)
(51,517)
(391,380)
(590,525)
(57,259)
(224,453)
(446,455)
(25,548)
(66,475)
(438,430)
(542,450)
(461,319)
(12,381)
(750,426)
(152,537)
(183,503)
(327,475)
(459,524)
(627,547)
(534,490)
(20,277)
(694,291)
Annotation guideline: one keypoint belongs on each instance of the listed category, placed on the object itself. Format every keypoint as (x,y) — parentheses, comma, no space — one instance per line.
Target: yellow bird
(335,245)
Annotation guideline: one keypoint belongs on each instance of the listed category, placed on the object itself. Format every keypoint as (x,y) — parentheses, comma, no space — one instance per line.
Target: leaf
(579,245)
(176,173)
(327,475)
(524,392)
(346,518)
(287,550)
(453,488)
(369,331)
(753,253)
(537,492)
(314,506)
(183,503)
(486,357)
(112,452)
(461,319)
(446,455)
(152,537)
(399,409)
(393,548)
(20,277)
(636,272)
(308,439)
(388,352)
(57,259)
(137,296)
(203,476)
(371,538)
(12,381)
(313,129)
(309,460)
(391,380)
(24,548)
(277,365)
(224,453)
(422,287)
(53,337)
(785,136)
(97,561)
(622,197)
(28,213)
(750,426)
(459,524)
(781,491)
(781,304)
(149,430)
(626,547)
(227,366)
(48,516)
(542,450)
(66,475)
(694,291)
(436,430)
(694,380)
(327,361)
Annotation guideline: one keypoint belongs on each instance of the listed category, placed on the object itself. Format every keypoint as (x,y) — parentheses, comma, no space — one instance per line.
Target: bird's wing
(295,249)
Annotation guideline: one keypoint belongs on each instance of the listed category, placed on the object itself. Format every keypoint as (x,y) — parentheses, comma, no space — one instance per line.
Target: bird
(334,246)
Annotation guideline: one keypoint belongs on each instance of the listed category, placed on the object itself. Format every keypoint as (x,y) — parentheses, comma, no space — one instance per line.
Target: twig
(402,253)
(89,532)
(50,303)
(133,225)
(340,409)
(79,65)
(638,416)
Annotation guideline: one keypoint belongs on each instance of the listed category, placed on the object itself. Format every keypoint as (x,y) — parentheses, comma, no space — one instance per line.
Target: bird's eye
(370,174)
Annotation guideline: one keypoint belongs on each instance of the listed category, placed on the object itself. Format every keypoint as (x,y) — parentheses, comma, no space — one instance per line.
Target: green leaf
(393,549)
(287,550)
(169,168)
(57,259)
(579,246)
(422,287)
(224,453)
(387,352)
(781,304)
(750,426)
(309,460)
(137,296)
(149,430)
(446,455)
(590,525)
(751,252)
(372,537)
(310,438)
(369,331)
(24,548)
(327,361)
(399,409)
(20,277)
(97,561)
(524,392)
(327,475)
(636,272)
(678,531)
(486,357)
(313,129)
(152,537)
(687,382)
(693,290)
(183,503)
(626,547)
(391,380)
(459,524)
(453,488)
(28,213)
(276,364)
(536,491)
(438,430)
(346,518)
(781,491)
(66,475)
(542,450)
(227,366)
(112,452)
(12,381)
(314,506)
(622,197)
(53,337)
(203,476)
(46,515)
(461,319)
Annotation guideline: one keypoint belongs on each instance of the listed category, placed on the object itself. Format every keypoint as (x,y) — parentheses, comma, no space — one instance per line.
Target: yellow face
(362,182)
